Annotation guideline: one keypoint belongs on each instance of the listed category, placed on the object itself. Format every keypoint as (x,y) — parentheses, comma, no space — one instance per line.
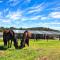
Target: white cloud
(54,8)
(24,18)
(16,2)
(6,21)
(3,13)
(14,15)
(53,23)
(36,8)
(54,15)
(19,15)
(27,1)
(44,18)
(49,25)
(6,10)
(1,1)
(13,2)
(0,15)
(56,28)
(38,17)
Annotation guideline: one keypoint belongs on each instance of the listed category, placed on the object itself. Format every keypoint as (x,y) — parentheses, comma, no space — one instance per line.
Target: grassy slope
(38,50)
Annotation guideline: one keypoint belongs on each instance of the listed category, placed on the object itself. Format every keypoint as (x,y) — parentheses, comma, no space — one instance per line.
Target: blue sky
(30,13)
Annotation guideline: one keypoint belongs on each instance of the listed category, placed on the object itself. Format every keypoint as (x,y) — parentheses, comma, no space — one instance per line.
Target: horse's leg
(8,44)
(15,43)
(27,42)
(5,40)
(11,43)
(22,44)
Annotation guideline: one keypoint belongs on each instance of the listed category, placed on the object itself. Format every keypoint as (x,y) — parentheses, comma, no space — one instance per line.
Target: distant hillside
(34,28)
(42,28)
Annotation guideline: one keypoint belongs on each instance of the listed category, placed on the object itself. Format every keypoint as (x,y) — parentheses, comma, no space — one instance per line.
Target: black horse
(9,35)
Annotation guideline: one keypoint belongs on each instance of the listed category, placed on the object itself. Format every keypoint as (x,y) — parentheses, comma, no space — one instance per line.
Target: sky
(30,13)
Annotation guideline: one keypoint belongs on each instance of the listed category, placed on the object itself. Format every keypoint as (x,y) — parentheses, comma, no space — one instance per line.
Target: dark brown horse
(9,35)
(25,39)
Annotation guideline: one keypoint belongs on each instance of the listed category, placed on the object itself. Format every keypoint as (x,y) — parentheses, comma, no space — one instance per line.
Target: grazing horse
(9,35)
(25,39)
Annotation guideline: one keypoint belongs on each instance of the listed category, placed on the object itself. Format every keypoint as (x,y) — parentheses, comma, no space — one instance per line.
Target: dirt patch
(2,53)
(42,58)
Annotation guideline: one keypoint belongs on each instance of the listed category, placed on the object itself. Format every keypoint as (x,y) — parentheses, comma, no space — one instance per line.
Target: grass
(38,50)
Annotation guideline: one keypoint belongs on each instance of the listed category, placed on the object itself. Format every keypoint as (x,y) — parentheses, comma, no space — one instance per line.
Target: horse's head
(27,34)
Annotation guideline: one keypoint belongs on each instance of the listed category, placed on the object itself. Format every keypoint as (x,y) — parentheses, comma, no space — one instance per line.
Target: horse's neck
(6,31)
(25,35)
(12,33)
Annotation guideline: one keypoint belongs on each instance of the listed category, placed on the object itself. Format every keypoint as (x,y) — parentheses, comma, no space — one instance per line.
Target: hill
(42,29)
(33,28)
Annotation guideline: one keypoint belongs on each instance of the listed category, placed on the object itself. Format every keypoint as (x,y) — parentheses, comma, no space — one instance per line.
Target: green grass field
(38,50)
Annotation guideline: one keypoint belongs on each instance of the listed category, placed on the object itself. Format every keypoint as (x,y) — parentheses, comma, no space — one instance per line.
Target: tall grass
(38,50)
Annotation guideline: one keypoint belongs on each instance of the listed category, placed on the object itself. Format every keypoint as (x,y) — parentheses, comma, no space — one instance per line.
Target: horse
(25,39)
(9,35)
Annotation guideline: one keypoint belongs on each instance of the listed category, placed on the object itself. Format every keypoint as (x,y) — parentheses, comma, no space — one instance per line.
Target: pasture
(38,50)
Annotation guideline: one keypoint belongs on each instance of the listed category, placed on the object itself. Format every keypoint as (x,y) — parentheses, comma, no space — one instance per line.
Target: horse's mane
(5,31)
(8,32)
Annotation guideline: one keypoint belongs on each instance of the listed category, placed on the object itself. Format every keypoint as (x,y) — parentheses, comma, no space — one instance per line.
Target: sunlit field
(38,50)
